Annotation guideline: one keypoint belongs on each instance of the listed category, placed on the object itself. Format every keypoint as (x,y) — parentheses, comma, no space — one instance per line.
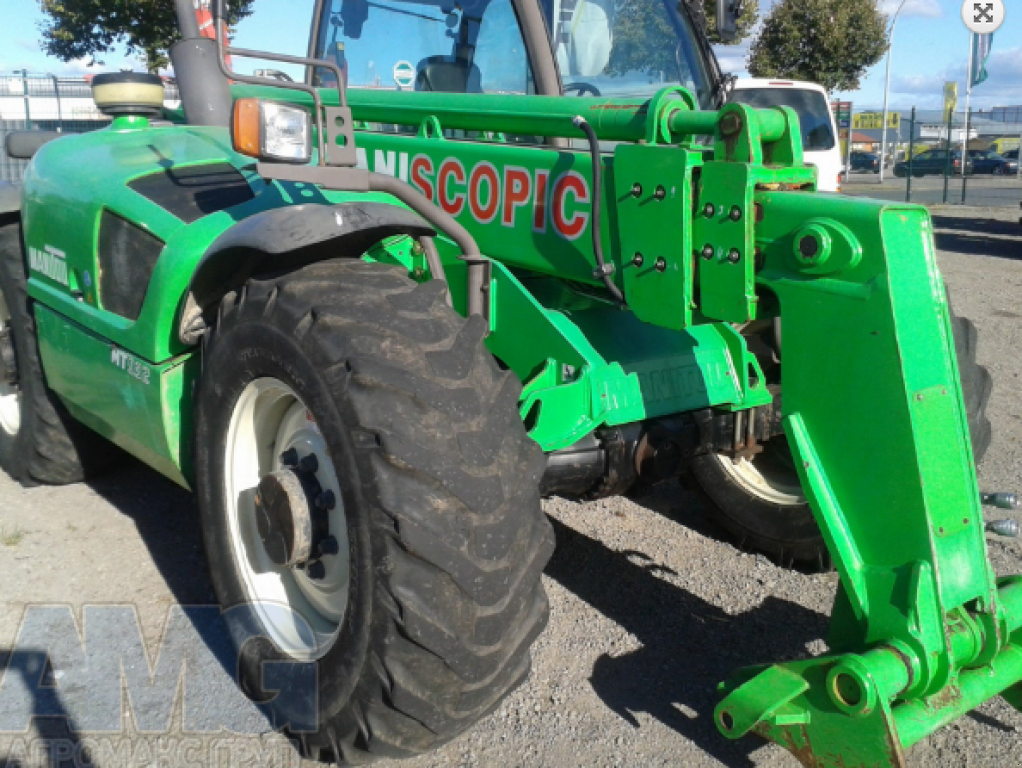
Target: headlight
(272,131)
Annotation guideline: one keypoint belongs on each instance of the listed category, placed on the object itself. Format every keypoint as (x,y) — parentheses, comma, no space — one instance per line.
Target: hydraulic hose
(603,270)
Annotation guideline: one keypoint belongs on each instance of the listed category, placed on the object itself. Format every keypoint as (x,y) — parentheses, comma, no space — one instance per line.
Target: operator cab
(589,47)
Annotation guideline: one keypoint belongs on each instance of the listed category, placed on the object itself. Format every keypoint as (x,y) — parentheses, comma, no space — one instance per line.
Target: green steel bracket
(560,414)
(873,410)
(725,214)
(662,106)
(653,187)
(430,128)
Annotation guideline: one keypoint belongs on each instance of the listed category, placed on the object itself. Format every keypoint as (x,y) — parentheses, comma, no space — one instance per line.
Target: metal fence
(930,159)
(49,103)
(12,169)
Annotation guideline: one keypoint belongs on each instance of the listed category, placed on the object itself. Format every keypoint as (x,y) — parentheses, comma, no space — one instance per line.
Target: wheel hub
(291,511)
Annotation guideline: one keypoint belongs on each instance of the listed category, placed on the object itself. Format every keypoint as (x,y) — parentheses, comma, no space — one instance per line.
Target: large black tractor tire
(763,506)
(439,487)
(40,443)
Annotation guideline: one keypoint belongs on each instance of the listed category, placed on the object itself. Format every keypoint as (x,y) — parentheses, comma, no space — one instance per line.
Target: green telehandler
(482,252)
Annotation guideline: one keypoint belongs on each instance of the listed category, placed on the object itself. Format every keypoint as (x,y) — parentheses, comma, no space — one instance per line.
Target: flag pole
(968,96)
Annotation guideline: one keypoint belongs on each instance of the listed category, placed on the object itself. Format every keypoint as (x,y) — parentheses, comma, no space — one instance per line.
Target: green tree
(76,29)
(830,42)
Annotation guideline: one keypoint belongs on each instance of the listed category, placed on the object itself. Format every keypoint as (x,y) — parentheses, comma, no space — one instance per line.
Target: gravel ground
(651,605)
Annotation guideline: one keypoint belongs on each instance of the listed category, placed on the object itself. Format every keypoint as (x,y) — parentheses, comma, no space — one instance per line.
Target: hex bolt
(660,193)
(1009,528)
(735,214)
(326,500)
(709,209)
(734,256)
(329,546)
(309,464)
(1000,500)
(708,251)
(289,458)
(417,248)
(661,264)
(636,190)
(638,259)
(315,570)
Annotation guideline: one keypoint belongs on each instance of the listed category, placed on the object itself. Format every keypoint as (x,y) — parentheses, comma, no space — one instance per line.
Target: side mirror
(728,12)
(353,15)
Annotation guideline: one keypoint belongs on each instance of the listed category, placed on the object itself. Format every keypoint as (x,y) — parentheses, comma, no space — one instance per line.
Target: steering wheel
(582,88)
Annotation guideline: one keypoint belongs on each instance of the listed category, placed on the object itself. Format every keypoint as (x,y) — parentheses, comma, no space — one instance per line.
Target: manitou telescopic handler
(485,251)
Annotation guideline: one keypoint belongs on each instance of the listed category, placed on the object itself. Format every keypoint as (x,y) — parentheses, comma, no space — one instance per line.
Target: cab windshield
(627,48)
(469,46)
(620,48)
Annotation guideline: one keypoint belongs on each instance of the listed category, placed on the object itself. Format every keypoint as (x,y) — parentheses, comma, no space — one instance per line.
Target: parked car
(932,161)
(810,102)
(865,161)
(985,161)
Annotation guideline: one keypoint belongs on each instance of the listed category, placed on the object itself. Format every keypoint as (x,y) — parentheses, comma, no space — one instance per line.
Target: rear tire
(439,492)
(763,506)
(39,440)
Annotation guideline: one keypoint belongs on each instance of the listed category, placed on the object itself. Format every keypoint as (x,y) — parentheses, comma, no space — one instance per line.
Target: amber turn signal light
(247,125)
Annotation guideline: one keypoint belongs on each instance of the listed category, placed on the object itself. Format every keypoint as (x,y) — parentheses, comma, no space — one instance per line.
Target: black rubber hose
(603,270)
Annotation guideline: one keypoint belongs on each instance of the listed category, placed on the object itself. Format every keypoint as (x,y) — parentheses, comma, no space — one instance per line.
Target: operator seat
(448,74)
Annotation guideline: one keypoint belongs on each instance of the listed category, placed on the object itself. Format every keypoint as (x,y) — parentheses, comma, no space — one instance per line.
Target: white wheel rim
(10,397)
(768,486)
(301,616)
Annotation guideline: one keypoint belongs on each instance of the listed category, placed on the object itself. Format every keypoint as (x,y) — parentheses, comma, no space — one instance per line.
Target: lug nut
(638,259)
(660,193)
(309,464)
(1009,528)
(315,570)
(734,256)
(329,546)
(1000,500)
(708,251)
(636,190)
(709,209)
(289,458)
(326,500)
(735,213)
(661,264)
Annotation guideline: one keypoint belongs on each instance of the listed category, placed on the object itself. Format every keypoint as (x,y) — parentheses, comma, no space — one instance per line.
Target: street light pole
(887,90)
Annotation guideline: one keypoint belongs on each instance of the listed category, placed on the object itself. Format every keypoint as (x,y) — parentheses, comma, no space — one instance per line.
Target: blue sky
(931,45)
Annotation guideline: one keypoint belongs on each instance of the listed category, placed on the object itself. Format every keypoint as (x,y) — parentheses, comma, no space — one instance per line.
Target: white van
(810,102)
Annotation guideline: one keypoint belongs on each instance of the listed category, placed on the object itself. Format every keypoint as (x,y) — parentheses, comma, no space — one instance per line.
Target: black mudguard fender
(284,239)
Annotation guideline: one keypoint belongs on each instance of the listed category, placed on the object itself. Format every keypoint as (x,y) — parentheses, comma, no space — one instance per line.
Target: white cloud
(927,9)
(733,58)
(1003,86)
(916,83)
